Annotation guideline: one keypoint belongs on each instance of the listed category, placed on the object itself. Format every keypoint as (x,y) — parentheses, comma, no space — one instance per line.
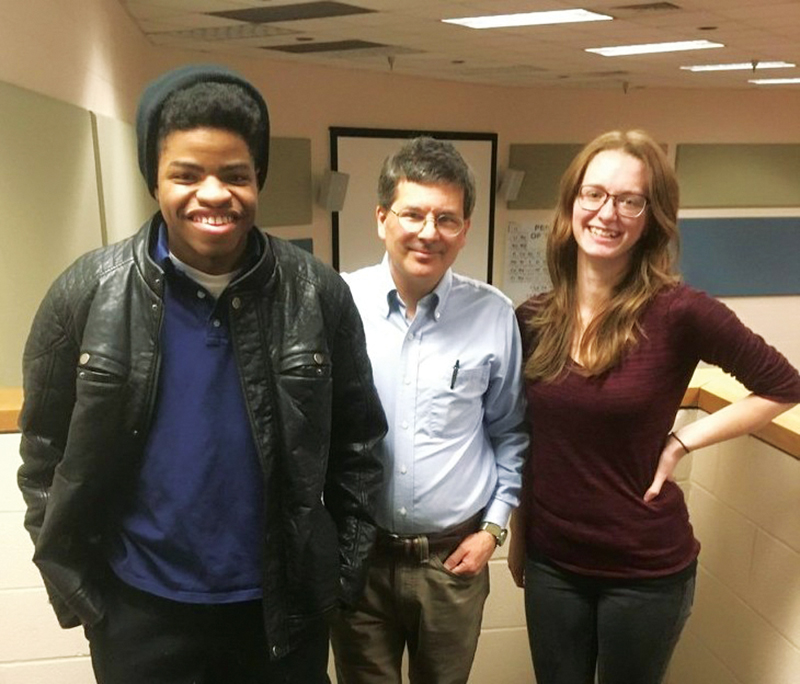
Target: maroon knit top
(595,442)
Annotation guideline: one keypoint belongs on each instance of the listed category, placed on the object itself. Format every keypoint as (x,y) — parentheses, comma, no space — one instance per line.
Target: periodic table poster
(526,260)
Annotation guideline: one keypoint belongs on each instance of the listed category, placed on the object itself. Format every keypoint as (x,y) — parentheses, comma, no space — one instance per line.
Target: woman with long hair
(602,541)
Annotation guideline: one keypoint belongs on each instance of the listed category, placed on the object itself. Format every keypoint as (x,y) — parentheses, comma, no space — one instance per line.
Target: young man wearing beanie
(199,420)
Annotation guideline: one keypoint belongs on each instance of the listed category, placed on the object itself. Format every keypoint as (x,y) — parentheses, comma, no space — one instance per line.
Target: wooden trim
(10,404)
(710,390)
(691,398)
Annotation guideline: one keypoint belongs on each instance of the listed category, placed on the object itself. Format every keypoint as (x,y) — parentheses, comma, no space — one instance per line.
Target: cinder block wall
(744,498)
(33,648)
(503,656)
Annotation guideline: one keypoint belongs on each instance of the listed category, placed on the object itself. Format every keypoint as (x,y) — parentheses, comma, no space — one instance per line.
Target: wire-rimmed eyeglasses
(628,204)
(413,221)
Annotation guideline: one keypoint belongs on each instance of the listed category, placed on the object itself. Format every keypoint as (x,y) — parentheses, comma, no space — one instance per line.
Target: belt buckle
(416,547)
(424,549)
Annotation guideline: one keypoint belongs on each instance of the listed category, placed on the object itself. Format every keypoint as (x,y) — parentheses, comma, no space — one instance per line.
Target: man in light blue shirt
(446,357)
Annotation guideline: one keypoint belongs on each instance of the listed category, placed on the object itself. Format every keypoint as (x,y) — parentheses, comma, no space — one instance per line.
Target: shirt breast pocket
(457,405)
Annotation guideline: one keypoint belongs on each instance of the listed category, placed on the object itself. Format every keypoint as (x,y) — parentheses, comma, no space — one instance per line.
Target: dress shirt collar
(390,298)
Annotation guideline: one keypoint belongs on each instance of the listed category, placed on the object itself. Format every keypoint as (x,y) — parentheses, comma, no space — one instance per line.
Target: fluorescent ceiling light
(743,66)
(774,81)
(648,48)
(529,19)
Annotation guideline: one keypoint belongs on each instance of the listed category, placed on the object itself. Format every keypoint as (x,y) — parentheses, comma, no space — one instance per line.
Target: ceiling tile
(764,30)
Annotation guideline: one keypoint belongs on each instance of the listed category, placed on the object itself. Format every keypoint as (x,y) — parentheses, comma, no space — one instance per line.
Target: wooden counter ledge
(709,390)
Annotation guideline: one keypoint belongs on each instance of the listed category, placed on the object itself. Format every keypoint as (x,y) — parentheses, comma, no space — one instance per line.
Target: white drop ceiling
(408,37)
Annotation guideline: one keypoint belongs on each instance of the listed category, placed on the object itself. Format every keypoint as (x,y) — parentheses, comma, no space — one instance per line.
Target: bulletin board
(738,176)
(125,203)
(735,256)
(360,152)
(49,194)
(286,197)
(543,164)
(740,222)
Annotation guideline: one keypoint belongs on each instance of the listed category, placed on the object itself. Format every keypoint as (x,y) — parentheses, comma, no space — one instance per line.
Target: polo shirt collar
(161,256)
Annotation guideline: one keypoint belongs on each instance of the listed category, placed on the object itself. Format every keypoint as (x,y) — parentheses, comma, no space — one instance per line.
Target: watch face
(496,531)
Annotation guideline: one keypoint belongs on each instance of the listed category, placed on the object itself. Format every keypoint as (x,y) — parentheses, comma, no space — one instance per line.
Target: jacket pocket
(94,368)
(305,388)
(313,563)
(306,364)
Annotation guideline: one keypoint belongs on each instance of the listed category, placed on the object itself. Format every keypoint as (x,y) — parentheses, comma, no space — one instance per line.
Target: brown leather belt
(420,547)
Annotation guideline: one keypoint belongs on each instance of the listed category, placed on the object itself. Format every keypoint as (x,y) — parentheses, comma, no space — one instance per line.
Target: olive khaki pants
(413,603)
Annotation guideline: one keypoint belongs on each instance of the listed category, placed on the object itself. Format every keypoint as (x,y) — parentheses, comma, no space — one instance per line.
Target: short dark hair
(211,104)
(427,161)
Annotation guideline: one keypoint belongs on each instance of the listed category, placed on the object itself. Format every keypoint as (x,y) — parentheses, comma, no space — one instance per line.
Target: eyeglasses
(629,205)
(413,221)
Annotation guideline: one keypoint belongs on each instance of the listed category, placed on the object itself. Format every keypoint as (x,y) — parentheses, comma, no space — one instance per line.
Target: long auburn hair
(616,326)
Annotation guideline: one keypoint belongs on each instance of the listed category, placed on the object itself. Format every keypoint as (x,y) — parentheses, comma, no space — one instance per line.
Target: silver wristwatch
(499,533)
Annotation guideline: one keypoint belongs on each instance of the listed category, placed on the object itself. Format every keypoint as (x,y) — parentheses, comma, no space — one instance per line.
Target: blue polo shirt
(194,527)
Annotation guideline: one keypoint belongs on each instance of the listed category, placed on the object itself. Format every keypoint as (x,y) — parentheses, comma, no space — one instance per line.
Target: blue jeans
(625,631)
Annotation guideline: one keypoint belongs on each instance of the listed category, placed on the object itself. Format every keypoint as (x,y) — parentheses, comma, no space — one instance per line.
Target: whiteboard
(360,152)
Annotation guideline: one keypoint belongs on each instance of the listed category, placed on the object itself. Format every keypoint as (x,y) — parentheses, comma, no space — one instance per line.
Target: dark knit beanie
(148,114)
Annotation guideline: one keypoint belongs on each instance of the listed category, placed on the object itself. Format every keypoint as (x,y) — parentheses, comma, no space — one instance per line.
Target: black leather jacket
(90,374)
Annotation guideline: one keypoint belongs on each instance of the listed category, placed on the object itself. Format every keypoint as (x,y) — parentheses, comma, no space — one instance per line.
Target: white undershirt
(215,284)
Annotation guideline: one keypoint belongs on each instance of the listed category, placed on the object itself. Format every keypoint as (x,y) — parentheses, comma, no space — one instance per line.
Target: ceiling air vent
(334,46)
(606,74)
(309,10)
(648,7)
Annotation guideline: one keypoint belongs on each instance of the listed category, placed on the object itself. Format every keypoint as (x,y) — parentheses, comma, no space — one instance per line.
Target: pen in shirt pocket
(455,375)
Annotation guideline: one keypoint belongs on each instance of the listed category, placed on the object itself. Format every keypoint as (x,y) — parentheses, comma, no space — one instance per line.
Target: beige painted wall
(89,53)
(777,319)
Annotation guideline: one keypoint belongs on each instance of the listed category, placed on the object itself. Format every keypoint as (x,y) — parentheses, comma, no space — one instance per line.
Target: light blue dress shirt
(457,439)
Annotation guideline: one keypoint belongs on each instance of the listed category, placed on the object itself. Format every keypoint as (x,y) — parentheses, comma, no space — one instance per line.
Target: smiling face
(208,195)
(418,261)
(603,235)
